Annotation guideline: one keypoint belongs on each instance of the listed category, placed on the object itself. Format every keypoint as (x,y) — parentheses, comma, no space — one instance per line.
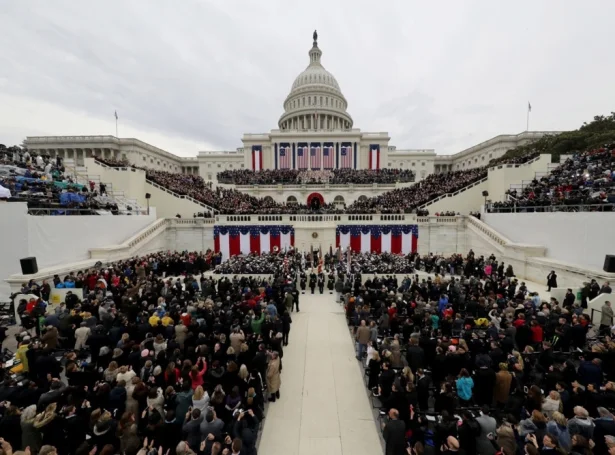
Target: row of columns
(442,168)
(310,122)
(191,170)
(79,154)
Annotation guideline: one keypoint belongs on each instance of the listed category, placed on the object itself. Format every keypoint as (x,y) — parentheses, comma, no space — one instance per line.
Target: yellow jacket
(21,355)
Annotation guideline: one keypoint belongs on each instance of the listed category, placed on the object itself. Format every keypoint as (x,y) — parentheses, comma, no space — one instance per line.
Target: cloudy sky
(195,75)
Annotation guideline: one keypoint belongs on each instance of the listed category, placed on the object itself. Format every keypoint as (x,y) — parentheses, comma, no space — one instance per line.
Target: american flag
(302,157)
(315,157)
(346,157)
(328,158)
(285,157)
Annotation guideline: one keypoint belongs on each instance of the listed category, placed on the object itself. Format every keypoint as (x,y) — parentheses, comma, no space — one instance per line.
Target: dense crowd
(405,200)
(42,182)
(146,355)
(265,263)
(479,365)
(586,178)
(336,176)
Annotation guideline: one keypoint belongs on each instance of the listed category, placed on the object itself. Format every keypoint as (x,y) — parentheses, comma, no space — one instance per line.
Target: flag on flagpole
(529,107)
(116,115)
(348,259)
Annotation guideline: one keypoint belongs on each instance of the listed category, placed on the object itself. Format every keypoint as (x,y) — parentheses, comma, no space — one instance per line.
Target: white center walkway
(323,408)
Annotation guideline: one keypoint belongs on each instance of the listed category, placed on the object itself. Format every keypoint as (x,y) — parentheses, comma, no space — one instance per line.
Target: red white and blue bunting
(234,240)
(396,239)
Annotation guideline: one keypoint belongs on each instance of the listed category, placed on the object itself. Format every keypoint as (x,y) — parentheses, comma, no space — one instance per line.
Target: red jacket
(537,333)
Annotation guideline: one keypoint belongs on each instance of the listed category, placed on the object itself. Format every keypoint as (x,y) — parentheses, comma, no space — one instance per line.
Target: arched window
(338,200)
(362,198)
(291,200)
(268,199)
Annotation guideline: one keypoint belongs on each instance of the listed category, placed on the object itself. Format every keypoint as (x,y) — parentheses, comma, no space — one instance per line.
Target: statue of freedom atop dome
(315,36)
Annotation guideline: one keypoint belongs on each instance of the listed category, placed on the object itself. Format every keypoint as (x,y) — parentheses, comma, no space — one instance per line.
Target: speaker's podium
(29,266)
(609,263)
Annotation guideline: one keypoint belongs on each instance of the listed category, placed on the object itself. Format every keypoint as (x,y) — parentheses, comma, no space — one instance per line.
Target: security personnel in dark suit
(312,281)
(321,282)
(295,294)
(303,281)
(331,283)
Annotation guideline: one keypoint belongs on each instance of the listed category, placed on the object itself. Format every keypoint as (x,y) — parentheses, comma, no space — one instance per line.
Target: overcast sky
(195,75)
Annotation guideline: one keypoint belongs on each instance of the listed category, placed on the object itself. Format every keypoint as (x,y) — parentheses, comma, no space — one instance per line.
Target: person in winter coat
(196,374)
(286,322)
(339,288)
(273,377)
(181,331)
(503,380)
(50,338)
(192,429)
(10,427)
(130,443)
(155,399)
(464,386)
(551,280)
(22,354)
(200,400)
(505,438)
(552,404)
(184,401)
(30,436)
(536,424)
(488,426)
(581,423)
(606,318)
(81,336)
(558,427)
(468,431)
(393,434)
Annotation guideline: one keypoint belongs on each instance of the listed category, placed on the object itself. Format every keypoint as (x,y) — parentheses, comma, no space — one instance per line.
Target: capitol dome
(315,101)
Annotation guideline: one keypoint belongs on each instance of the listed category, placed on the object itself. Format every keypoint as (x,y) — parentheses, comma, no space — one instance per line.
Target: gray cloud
(198,74)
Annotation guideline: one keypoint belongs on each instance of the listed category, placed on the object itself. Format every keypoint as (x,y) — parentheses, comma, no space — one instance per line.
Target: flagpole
(116,135)
(527,124)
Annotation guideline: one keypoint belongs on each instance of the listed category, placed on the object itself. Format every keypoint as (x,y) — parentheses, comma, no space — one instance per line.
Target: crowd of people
(309,177)
(478,364)
(265,263)
(586,178)
(42,183)
(232,201)
(146,355)
(405,200)
(150,354)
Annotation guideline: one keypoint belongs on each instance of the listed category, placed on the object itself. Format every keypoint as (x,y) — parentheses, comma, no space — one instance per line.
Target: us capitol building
(315,118)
